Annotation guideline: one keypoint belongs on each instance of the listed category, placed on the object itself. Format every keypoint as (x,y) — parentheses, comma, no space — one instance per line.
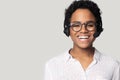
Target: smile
(83,37)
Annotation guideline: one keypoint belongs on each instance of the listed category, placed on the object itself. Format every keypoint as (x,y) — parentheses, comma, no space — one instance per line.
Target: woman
(83,24)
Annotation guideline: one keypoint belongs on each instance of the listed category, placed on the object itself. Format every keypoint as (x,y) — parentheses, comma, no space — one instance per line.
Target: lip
(83,37)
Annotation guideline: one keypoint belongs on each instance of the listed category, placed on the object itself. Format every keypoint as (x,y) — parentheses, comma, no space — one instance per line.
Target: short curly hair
(83,4)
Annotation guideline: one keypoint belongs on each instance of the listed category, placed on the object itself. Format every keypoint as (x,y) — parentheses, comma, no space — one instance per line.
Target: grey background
(31,33)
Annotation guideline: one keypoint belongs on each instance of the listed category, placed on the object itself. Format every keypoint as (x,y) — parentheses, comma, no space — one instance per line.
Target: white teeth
(83,37)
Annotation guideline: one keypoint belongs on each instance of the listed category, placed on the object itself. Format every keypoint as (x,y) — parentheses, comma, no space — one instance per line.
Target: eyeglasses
(76,26)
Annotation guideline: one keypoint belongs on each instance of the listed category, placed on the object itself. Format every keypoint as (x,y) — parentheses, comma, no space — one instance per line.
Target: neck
(82,52)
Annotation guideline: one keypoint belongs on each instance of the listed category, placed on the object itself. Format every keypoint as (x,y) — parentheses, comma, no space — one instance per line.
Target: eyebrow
(84,22)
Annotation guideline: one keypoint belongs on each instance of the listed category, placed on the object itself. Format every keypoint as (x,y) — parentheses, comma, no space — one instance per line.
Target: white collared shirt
(64,67)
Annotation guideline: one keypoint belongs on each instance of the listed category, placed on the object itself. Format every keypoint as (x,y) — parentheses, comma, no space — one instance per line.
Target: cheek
(92,36)
(72,34)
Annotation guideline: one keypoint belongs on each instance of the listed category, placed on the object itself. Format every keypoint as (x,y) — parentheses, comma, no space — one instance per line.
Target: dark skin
(83,40)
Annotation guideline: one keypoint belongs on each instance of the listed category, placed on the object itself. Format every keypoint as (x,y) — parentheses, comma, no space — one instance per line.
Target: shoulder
(109,60)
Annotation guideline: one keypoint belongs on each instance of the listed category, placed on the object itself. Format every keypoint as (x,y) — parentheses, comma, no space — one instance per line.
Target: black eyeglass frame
(89,25)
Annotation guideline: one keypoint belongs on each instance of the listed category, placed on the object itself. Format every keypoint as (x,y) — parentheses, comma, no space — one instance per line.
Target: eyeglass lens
(76,26)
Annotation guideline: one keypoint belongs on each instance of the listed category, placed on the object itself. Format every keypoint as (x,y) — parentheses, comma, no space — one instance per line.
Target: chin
(84,46)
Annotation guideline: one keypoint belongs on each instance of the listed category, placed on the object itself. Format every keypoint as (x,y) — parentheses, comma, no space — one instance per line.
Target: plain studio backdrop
(31,33)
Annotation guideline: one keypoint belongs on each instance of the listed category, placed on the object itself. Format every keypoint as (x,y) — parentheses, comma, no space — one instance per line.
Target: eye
(90,25)
(75,25)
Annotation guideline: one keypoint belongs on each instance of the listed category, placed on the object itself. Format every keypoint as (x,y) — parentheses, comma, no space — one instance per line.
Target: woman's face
(84,37)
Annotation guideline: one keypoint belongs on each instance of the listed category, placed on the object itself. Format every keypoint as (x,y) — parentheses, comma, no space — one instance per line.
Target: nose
(83,29)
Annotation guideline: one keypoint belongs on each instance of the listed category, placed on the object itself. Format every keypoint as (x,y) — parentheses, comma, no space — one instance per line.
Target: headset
(82,3)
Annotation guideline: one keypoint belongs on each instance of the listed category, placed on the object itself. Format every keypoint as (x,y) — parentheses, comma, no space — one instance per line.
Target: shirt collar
(97,55)
(67,56)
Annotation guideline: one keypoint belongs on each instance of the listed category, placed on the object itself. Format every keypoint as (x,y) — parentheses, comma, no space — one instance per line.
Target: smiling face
(84,38)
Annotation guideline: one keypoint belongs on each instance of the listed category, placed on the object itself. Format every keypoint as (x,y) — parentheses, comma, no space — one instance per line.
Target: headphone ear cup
(66,31)
(96,34)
